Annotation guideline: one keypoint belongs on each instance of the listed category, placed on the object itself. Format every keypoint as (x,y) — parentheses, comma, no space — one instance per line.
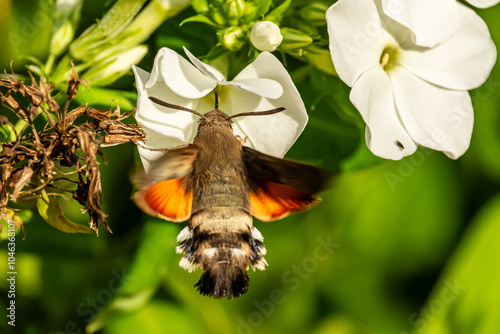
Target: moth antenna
(216,100)
(174,106)
(259,113)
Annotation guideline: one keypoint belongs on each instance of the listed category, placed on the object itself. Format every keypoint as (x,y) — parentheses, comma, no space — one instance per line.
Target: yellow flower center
(389,56)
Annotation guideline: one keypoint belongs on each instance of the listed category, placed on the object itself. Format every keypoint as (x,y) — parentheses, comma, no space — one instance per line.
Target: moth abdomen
(223,256)
(223,280)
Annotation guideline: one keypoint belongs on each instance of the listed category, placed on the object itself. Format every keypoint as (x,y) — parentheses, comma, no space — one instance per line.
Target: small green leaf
(105,97)
(215,52)
(7,133)
(51,212)
(261,8)
(277,12)
(203,19)
(19,218)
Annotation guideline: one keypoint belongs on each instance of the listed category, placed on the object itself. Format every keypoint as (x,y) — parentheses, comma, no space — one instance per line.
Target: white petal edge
(260,86)
(438,118)
(431,21)
(270,134)
(462,62)
(483,3)
(180,75)
(164,127)
(155,140)
(386,137)
(355,35)
(206,69)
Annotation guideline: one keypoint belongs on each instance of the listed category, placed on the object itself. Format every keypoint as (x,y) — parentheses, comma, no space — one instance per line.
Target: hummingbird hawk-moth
(219,184)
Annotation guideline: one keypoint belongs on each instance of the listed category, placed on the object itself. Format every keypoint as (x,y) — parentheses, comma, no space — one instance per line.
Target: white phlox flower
(409,95)
(431,21)
(266,36)
(483,3)
(262,85)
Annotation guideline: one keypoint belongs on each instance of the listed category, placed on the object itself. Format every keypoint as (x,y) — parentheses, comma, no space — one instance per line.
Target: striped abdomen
(220,238)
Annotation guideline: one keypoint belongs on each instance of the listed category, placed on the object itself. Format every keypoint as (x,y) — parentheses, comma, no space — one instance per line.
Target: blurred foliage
(394,247)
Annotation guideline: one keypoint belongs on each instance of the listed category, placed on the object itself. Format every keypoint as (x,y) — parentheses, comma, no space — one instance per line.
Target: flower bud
(233,38)
(234,8)
(68,8)
(294,40)
(321,59)
(107,72)
(61,38)
(266,36)
(200,6)
(314,13)
(93,39)
(67,14)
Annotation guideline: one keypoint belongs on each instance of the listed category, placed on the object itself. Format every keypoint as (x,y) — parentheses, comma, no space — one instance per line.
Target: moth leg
(242,141)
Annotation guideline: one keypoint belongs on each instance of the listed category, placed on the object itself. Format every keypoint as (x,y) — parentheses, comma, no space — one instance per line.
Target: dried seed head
(66,148)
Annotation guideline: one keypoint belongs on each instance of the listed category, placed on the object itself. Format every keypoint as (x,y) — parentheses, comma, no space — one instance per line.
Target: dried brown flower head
(33,164)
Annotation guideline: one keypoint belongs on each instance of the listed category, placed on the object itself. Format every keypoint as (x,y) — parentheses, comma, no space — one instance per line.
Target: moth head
(216,117)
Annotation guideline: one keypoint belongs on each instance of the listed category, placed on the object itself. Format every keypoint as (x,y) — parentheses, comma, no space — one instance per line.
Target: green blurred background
(406,246)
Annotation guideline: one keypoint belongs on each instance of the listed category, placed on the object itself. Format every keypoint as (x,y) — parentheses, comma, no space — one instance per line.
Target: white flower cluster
(410,65)
(262,85)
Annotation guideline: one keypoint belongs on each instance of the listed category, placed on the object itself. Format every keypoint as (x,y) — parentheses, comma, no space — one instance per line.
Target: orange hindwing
(167,199)
(274,201)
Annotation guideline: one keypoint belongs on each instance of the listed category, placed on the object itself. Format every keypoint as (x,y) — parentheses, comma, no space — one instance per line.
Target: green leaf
(19,218)
(148,270)
(105,97)
(7,133)
(51,212)
(467,297)
(215,52)
(203,19)
(261,8)
(277,13)
(157,317)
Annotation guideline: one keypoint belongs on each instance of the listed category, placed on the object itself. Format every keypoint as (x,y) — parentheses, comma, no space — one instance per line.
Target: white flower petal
(270,134)
(208,70)
(462,62)
(260,86)
(356,40)
(164,127)
(431,21)
(386,136)
(483,3)
(179,75)
(437,118)
(155,140)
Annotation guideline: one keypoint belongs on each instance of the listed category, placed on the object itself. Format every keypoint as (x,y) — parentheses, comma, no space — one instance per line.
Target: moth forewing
(165,191)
